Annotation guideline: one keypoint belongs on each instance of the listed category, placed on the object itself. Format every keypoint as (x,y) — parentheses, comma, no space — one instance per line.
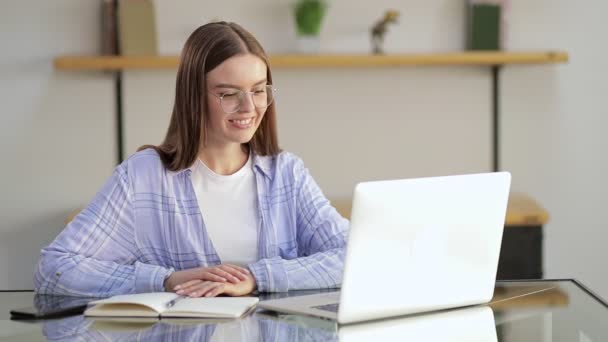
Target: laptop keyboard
(328,307)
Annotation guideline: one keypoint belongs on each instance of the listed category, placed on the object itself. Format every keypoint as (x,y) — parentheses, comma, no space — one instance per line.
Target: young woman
(217,208)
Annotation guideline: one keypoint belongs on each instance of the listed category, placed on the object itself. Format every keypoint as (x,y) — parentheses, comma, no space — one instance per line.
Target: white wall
(406,122)
(370,123)
(56,128)
(554,131)
(366,123)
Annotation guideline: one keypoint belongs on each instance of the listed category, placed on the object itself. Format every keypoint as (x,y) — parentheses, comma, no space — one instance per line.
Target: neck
(225,160)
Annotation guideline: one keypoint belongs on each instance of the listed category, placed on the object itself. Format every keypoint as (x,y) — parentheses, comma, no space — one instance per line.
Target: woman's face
(246,73)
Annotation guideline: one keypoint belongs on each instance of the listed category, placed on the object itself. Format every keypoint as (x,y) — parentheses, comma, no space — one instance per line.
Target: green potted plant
(309,15)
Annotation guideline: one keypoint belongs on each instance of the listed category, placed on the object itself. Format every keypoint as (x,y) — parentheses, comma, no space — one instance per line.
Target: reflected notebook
(158,304)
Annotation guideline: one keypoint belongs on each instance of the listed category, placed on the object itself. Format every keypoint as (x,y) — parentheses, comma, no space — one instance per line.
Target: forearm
(320,270)
(65,273)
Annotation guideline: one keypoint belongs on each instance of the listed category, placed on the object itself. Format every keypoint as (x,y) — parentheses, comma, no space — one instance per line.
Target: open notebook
(156,305)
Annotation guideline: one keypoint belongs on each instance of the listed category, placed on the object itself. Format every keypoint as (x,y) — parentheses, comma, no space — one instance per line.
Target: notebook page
(211,307)
(157,301)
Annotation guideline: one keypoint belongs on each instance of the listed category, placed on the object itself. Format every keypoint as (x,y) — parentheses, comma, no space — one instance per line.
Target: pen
(175,300)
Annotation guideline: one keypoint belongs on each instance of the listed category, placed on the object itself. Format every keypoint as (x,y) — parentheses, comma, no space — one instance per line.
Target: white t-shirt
(229,206)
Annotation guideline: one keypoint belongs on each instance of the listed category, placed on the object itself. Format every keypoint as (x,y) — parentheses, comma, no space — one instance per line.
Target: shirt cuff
(270,275)
(150,278)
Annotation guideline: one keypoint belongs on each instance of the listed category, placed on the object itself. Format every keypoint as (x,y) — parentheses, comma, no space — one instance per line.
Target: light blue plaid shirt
(81,328)
(146,222)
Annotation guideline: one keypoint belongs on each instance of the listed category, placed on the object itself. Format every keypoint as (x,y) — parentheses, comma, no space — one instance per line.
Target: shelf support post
(496,117)
(119,115)
(118,89)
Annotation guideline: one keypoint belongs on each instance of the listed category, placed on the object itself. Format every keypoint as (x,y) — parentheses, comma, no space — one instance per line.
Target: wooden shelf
(324,61)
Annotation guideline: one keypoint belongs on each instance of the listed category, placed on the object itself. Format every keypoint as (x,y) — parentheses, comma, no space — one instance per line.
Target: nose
(247,103)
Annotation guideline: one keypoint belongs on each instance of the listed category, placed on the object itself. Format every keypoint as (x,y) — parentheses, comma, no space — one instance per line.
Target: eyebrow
(226,85)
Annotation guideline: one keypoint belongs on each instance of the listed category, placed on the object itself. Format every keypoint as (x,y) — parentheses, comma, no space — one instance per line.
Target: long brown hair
(206,48)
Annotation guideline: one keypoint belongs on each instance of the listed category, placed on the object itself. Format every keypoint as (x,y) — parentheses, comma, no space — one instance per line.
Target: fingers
(220,274)
(223,273)
(213,277)
(216,291)
(243,270)
(237,271)
(208,290)
(186,285)
(202,289)
(204,276)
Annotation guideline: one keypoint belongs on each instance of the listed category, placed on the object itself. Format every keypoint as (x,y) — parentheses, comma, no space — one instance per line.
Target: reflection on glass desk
(548,310)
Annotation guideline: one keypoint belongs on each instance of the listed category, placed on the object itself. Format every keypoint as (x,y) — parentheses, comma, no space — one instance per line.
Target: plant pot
(308,44)
(308,15)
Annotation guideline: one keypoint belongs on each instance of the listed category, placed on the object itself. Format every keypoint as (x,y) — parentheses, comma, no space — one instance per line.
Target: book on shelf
(136,25)
(109,43)
(485,24)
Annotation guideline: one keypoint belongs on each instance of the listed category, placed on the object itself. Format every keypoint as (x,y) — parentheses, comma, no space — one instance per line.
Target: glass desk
(547,310)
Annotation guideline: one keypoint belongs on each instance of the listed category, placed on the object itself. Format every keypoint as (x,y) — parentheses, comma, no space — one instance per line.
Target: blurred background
(58,127)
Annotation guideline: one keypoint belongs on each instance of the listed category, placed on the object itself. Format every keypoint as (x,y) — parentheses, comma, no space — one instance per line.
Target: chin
(243,139)
(245,136)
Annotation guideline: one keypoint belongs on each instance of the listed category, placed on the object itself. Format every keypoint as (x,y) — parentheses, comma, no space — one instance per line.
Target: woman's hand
(205,288)
(220,274)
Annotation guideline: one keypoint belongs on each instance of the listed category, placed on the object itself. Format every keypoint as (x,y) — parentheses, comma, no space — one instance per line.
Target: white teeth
(242,122)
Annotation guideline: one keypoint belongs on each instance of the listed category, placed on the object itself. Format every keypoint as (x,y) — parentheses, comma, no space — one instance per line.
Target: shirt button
(58,274)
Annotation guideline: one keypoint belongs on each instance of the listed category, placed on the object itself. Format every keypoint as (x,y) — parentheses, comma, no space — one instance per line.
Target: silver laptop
(415,245)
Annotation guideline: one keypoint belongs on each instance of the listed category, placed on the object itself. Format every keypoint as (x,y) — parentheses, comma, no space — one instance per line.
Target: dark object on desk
(484,26)
(522,241)
(32,313)
(521,253)
(52,306)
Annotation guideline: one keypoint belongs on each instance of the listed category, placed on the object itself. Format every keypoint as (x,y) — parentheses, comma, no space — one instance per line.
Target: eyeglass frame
(250,93)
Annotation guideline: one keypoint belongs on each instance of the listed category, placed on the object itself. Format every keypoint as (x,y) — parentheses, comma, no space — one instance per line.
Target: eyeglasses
(233,100)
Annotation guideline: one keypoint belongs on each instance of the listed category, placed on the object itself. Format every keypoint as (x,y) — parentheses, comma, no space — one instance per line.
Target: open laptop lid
(423,244)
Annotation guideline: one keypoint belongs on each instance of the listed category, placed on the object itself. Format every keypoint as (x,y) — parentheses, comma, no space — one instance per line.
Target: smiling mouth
(242,123)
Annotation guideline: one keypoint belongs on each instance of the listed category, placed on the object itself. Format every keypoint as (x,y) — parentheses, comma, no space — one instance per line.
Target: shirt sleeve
(321,237)
(96,254)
